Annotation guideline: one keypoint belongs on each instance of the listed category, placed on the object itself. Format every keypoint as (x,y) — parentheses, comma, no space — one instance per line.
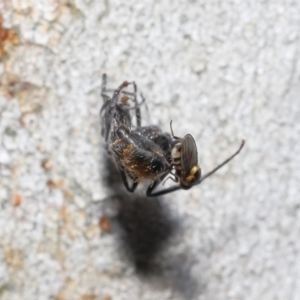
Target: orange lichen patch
(60,255)
(70,9)
(88,297)
(64,215)
(55,184)
(12,86)
(17,200)
(92,231)
(41,149)
(16,87)
(7,83)
(67,291)
(72,222)
(47,164)
(59,184)
(13,257)
(8,38)
(67,194)
(30,97)
(67,225)
(28,120)
(105,224)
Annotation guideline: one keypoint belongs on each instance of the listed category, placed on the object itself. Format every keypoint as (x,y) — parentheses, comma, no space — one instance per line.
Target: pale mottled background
(222,71)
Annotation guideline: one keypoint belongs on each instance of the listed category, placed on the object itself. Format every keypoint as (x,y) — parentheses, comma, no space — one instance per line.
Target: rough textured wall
(222,71)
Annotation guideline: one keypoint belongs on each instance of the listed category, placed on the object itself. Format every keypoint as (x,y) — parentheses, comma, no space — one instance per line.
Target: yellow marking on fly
(193,174)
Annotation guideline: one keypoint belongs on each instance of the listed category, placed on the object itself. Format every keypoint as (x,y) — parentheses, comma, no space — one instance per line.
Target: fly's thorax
(155,135)
(140,157)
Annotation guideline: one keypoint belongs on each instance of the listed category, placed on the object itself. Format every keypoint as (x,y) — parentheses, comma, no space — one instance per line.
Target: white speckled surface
(222,71)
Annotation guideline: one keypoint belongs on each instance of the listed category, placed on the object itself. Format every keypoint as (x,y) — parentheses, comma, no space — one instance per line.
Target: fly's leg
(103,91)
(175,179)
(106,119)
(136,103)
(103,84)
(154,184)
(116,93)
(115,97)
(151,187)
(109,106)
(125,181)
(137,107)
(164,192)
(103,95)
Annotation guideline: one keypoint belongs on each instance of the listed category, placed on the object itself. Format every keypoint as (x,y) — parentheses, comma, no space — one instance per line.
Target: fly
(140,153)
(184,158)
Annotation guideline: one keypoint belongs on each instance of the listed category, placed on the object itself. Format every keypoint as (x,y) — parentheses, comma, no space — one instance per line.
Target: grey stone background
(222,71)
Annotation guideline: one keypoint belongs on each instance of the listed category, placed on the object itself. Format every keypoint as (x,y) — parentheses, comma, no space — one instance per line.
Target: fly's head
(185,159)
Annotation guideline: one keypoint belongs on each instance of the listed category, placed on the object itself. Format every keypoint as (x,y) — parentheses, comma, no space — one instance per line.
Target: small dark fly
(140,152)
(184,158)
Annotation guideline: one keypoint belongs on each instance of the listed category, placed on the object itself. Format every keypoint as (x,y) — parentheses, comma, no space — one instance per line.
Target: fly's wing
(189,156)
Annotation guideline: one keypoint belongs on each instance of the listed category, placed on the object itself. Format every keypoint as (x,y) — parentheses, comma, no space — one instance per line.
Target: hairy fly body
(140,152)
(184,159)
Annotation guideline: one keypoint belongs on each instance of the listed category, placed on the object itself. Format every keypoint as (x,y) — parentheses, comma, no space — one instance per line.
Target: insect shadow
(146,230)
(145,224)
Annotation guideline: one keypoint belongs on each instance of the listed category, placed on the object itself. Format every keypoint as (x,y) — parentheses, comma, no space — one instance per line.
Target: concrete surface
(222,71)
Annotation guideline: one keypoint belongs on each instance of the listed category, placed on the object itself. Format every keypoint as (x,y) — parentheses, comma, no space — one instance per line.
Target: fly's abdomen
(140,161)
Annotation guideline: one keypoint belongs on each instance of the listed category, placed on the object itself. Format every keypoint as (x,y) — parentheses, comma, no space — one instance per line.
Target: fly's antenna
(223,163)
(172,133)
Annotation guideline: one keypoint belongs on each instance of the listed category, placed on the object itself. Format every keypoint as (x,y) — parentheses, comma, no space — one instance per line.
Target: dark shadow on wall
(145,223)
(146,230)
